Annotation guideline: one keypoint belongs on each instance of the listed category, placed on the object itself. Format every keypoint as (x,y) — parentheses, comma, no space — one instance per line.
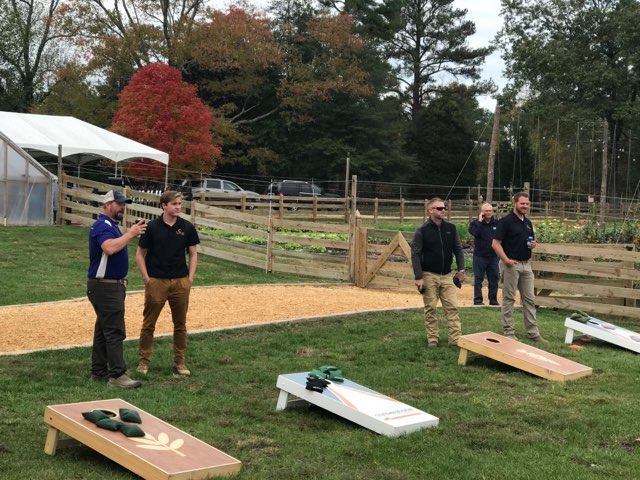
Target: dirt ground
(70,322)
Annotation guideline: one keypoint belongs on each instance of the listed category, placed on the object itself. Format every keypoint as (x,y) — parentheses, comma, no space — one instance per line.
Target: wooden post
(495,134)
(605,168)
(546,210)
(425,214)
(361,252)
(346,192)
(375,210)
(314,212)
(280,207)
(470,206)
(60,185)
(562,211)
(449,207)
(270,233)
(243,202)
(125,218)
(401,210)
(352,229)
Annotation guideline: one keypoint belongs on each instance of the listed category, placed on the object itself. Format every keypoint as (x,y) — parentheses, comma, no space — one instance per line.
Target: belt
(121,281)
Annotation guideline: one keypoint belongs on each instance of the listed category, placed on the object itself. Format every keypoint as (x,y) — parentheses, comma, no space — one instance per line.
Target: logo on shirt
(179,232)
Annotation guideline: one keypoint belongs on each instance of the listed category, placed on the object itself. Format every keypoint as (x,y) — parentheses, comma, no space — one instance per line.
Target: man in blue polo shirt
(167,277)
(513,241)
(107,288)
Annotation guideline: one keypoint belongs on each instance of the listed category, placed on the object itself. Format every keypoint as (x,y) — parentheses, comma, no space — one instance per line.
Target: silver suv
(214,185)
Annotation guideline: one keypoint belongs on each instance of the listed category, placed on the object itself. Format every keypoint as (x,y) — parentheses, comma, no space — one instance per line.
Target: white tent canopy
(46,132)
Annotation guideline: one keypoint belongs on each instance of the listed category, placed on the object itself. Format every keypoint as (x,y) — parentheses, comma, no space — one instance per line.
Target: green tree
(33,35)
(577,54)
(444,143)
(70,93)
(432,43)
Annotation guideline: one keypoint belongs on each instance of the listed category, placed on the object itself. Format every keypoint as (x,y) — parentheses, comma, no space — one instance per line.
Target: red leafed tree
(159,109)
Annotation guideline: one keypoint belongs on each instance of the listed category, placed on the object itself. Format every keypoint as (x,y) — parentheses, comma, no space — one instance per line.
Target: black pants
(488,266)
(107,356)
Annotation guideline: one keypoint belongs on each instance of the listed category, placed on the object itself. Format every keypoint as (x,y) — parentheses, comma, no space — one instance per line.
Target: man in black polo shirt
(161,259)
(513,241)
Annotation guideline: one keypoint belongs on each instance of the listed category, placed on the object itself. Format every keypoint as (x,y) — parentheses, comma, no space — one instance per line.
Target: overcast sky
(485,14)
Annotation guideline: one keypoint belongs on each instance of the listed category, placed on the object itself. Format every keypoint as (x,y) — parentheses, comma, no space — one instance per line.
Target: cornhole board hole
(368,408)
(165,452)
(603,331)
(521,356)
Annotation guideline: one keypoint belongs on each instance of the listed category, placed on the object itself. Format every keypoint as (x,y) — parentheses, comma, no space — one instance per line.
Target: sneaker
(512,336)
(99,378)
(123,381)
(143,368)
(478,303)
(182,370)
(495,304)
(432,344)
(539,339)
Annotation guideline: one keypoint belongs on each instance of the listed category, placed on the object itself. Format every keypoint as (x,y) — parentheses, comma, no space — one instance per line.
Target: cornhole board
(165,452)
(521,356)
(368,408)
(603,331)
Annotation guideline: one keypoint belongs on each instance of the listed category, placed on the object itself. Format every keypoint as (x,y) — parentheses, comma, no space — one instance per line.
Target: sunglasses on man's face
(440,209)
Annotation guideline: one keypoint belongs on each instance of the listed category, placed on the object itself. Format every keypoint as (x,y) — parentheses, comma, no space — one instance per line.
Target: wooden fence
(599,279)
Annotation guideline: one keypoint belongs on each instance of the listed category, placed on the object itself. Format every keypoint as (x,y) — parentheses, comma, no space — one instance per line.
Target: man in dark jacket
(485,260)
(434,244)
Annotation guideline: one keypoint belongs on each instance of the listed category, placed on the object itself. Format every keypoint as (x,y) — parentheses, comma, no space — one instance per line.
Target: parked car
(194,187)
(298,188)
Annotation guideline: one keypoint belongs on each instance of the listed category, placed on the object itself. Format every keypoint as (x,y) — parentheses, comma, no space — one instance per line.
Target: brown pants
(441,287)
(156,293)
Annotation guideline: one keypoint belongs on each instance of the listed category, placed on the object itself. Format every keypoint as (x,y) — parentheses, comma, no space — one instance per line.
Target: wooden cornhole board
(368,408)
(165,452)
(521,356)
(603,331)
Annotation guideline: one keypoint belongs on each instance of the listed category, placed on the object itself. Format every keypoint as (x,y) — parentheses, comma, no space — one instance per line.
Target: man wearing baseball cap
(107,288)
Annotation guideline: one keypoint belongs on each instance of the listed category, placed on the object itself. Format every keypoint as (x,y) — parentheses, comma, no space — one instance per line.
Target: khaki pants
(441,287)
(156,293)
(519,278)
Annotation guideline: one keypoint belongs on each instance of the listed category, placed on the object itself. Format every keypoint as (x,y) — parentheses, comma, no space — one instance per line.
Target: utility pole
(603,183)
(495,134)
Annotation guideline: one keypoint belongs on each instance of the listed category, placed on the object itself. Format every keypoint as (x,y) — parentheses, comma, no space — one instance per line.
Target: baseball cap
(115,196)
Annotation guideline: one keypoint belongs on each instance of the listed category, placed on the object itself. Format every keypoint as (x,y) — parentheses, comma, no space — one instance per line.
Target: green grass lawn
(40,264)
(495,422)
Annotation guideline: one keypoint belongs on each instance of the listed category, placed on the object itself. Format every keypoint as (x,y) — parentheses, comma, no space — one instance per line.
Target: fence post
(269,265)
(125,219)
(352,229)
(470,204)
(425,214)
(375,210)
(401,210)
(562,211)
(449,206)
(315,208)
(361,253)
(281,206)
(546,210)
